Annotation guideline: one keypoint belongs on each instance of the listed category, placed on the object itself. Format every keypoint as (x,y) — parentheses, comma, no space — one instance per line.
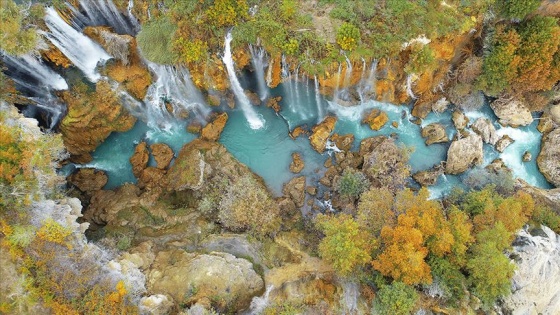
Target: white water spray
(31,67)
(82,51)
(255,121)
(258,59)
(260,303)
(318,101)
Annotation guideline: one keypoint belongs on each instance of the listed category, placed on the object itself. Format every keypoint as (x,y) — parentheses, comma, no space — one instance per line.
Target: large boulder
(139,159)
(463,153)
(376,119)
(434,133)
(213,130)
(511,112)
(217,279)
(295,189)
(343,142)
(503,143)
(163,155)
(321,133)
(555,113)
(385,164)
(484,128)
(548,160)
(460,120)
(88,180)
(428,177)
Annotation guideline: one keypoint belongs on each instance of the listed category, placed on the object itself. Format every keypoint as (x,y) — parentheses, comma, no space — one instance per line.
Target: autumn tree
(375,210)
(345,246)
(18,34)
(396,299)
(517,9)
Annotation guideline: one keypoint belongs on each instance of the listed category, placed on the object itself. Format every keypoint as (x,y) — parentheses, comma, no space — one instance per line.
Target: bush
(155,40)
(396,299)
(352,183)
(517,9)
(348,36)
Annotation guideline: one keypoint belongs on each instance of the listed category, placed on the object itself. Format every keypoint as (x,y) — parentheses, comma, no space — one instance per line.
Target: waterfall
(409,87)
(372,80)
(287,75)
(258,59)
(255,121)
(318,101)
(173,88)
(260,303)
(29,72)
(104,12)
(82,51)
(348,74)
(335,95)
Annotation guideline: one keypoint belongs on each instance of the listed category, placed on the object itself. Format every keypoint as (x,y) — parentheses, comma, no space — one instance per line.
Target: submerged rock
(434,133)
(274,103)
(549,157)
(343,142)
(527,156)
(428,177)
(321,133)
(511,112)
(297,164)
(484,128)
(376,119)
(464,153)
(503,143)
(213,130)
(220,279)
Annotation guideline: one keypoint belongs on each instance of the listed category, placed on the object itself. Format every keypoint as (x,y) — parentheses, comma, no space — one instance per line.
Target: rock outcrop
(434,133)
(163,155)
(321,133)
(485,129)
(213,130)
(343,142)
(295,189)
(91,117)
(297,163)
(535,281)
(217,279)
(459,120)
(548,160)
(428,177)
(511,112)
(503,143)
(376,119)
(385,163)
(139,159)
(88,180)
(464,153)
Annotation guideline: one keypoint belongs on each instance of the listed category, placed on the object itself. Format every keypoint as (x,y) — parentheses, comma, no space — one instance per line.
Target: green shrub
(352,183)
(155,41)
(517,9)
(348,36)
(396,299)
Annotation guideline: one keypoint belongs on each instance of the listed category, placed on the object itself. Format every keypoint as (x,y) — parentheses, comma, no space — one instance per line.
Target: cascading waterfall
(37,82)
(255,121)
(372,79)
(318,101)
(335,95)
(260,303)
(173,87)
(82,51)
(258,59)
(104,12)
(409,87)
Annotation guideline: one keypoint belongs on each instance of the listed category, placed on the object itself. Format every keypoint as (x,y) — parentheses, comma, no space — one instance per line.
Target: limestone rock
(297,164)
(295,189)
(376,119)
(537,274)
(434,133)
(428,177)
(503,143)
(548,197)
(139,159)
(152,177)
(440,105)
(222,278)
(88,179)
(484,128)
(321,133)
(274,103)
(527,156)
(157,304)
(298,131)
(162,154)
(343,142)
(511,112)
(546,124)
(459,120)
(253,98)
(384,164)
(463,153)
(555,113)
(311,190)
(213,130)
(549,157)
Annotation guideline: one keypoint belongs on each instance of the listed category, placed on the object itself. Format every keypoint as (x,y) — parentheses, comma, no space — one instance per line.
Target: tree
(17,35)
(352,183)
(348,36)
(375,210)
(396,299)
(248,206)
(517,9)
(345,246)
